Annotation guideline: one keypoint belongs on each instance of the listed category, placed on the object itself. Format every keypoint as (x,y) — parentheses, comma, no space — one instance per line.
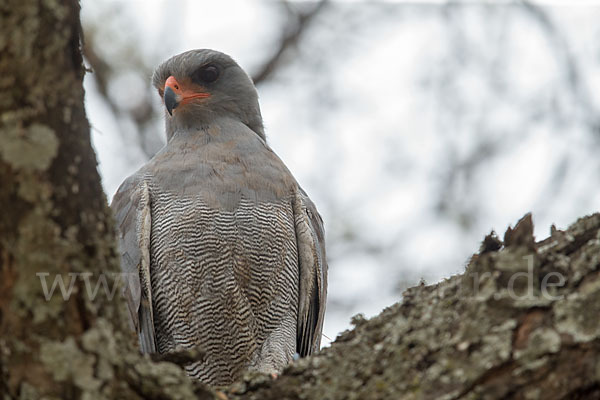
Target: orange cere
(188,92)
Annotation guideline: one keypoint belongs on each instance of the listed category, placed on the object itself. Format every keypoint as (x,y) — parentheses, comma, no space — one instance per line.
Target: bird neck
(189,124)
(218,130)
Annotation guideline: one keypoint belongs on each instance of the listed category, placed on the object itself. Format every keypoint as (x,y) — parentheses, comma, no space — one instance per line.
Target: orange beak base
(175,94)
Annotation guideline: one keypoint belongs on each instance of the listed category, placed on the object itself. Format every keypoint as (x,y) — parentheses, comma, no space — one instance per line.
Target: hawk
(225,250)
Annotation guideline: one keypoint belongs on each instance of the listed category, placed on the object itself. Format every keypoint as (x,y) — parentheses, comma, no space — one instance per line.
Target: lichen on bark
(56,222)
(520,322)
(462,338)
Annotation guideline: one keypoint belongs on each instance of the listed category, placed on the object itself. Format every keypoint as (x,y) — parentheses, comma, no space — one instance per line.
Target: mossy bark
(521,322)
(55,223)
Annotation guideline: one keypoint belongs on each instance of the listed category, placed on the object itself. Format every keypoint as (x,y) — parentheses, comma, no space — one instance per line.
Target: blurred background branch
(296,23)
(416,128)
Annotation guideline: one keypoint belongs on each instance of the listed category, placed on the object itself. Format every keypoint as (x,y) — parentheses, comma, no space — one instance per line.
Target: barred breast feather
(226,252)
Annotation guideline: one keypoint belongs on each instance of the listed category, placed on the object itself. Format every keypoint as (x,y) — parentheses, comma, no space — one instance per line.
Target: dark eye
(207,74)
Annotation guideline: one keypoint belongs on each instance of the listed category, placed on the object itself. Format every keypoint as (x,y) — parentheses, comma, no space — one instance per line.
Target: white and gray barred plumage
(226,250)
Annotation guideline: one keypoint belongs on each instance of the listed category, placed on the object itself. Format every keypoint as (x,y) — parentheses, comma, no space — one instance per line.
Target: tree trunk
(55,227)
(521,322)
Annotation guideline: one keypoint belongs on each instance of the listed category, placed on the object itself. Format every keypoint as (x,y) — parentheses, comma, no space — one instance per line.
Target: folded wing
(132,208)
(313,274)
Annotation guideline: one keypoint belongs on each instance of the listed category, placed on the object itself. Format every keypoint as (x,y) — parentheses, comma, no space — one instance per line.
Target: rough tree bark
(521,322)
(54,220)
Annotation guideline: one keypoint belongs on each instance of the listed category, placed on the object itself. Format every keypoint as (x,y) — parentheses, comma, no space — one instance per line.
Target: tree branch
(299,22)
(520,322)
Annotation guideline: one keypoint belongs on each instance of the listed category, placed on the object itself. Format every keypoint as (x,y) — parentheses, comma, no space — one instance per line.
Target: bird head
(200,86)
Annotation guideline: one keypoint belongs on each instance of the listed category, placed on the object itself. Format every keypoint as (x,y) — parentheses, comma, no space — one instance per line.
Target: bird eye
(207,74)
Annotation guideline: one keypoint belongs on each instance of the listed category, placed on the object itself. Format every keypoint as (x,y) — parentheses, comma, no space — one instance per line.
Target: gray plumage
(225,251)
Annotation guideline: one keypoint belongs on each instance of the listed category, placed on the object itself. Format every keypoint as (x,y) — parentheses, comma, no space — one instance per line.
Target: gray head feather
(232,95)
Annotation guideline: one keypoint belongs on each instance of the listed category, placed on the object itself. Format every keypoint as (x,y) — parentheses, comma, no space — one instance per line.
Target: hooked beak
(171,101)
(174,95)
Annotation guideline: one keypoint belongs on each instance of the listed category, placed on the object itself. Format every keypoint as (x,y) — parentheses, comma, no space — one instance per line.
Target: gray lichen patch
(515,260)
(28,392)
(577,314)
(49,265)
(66,362)
(163,375)
(101,337)
(541,341)
(495,347)
(31,148)
(31,189)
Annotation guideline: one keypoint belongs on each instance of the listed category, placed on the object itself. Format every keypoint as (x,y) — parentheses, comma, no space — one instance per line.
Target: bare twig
(141,115)
(299,22)
(573,74)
